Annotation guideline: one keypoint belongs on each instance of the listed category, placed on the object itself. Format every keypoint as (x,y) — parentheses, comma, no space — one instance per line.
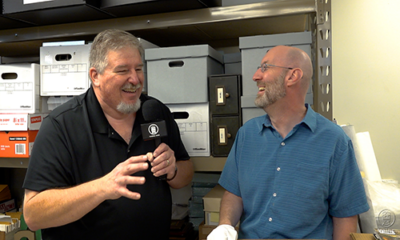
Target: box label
(17,96)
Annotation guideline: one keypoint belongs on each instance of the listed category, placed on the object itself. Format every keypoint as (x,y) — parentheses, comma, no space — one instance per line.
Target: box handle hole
(176,64)
(63,57)
(180,115)
(9,76)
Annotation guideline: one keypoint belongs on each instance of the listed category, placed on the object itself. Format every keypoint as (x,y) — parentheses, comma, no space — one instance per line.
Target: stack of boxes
(233,63)
(202,184)
(64,71)
(28,91)
(10,224)
(9,218)
(21,108)
(178,77)
(212,204)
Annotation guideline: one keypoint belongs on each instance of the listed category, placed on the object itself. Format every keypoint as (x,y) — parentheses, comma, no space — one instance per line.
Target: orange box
(17,144)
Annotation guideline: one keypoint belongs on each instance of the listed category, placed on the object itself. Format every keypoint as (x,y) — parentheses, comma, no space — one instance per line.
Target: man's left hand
(162,161)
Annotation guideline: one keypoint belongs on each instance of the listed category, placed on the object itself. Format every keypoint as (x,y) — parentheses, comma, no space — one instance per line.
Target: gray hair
(111,39)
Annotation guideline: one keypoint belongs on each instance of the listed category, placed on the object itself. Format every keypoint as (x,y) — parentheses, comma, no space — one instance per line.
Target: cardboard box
(212,200)
(194,126)
(146,45)
(53,102)
(204,230)
(17,144)
(233,63)
(64,70)
(7,206)
(5,193)
(362,236)
(19,88)
(180,74)
(21,121)
(253,49)
(212,204)
(8,235)
(10,224)
(211,218)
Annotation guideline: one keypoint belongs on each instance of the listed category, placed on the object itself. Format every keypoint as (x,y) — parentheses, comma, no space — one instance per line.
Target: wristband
(176,170)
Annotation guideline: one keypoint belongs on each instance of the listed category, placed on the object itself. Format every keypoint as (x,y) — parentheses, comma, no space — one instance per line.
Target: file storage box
(19,88)
(193,122)
(233,63)
(180,74)
(64,70)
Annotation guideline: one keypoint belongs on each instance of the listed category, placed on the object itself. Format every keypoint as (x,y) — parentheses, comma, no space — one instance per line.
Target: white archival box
(180,74)
(194,130)
(21,121)
(19,88)
(146,45)
(64,70)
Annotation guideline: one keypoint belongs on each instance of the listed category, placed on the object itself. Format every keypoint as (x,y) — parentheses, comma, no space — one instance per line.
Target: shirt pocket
(310,182)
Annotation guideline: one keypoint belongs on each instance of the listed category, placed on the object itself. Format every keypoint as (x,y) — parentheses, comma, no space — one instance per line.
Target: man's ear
(295,76)
(94,75)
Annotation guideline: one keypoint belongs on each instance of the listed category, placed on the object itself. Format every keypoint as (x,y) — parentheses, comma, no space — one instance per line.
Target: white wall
(366,74)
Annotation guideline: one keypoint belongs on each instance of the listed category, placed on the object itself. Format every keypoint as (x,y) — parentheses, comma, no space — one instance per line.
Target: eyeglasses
(264,67)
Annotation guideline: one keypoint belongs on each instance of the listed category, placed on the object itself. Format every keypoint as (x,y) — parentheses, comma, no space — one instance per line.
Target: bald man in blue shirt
(291,174)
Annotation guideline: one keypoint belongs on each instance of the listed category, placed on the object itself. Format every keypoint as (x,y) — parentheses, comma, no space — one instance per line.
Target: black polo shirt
(76,144)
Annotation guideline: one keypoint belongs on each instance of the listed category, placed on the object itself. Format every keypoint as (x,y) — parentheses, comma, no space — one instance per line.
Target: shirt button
(274,194)
(278,169)
(270,219)
(282,144)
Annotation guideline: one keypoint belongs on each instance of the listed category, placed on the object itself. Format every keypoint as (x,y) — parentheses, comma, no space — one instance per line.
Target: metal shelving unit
(220,27)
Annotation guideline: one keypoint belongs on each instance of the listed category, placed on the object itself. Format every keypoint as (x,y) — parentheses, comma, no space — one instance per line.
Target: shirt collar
(98,120)
(309,120)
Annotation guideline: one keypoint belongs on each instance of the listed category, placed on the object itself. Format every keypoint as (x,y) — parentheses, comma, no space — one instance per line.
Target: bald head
(295,58)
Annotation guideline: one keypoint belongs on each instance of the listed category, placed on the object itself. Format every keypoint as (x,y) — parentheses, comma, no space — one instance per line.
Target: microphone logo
(153,130)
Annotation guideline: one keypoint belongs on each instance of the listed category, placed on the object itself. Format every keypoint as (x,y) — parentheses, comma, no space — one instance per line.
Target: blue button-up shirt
(292,187)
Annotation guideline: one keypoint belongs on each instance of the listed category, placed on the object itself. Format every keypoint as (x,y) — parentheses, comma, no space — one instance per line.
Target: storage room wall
(365,74)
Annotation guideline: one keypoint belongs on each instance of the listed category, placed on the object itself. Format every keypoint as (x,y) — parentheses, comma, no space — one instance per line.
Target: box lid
(193,51)
(262,41)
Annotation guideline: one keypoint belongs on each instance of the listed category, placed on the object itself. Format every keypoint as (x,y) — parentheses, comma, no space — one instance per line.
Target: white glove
(223,232)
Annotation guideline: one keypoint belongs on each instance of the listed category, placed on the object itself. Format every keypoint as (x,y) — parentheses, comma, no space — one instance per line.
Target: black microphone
(155,127)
